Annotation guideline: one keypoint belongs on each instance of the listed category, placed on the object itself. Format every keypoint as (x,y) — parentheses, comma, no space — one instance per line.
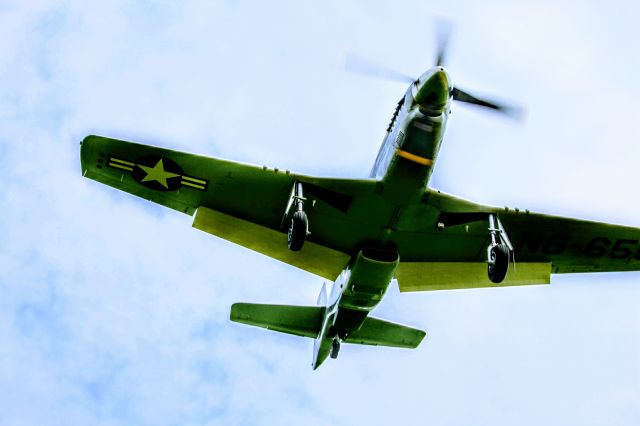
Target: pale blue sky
(115,311)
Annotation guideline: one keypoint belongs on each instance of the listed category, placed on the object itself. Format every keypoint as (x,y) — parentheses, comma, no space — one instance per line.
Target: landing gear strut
(299,225)
(499,252)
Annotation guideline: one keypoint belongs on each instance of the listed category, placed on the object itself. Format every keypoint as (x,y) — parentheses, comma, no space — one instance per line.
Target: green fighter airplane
(363,233)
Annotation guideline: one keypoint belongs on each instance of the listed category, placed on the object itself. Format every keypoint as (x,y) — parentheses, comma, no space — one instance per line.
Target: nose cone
(433,90)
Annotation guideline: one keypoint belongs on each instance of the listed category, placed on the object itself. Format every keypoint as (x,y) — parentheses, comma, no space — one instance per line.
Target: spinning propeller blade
(443,34)
(357,64)
(512,111)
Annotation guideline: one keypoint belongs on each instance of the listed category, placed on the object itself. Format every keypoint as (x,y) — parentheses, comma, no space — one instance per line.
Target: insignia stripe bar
(120,166)
(191,179)
(193,185)
(117,160)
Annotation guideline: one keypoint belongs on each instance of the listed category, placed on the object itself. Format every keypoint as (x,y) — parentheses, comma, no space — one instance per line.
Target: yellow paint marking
(119,166)
(157,173)
(200,181)
(193,185)
(126,163)
(415,158)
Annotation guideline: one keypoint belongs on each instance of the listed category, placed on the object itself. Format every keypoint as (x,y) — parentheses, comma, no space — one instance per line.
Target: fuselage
(410,147)
(356,291)
(404,164)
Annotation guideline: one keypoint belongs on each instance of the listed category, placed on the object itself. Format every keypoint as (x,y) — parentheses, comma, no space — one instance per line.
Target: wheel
(498,263)
(335,348)
(297,231)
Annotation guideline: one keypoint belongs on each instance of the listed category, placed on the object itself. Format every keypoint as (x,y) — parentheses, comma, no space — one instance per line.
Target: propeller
(443,34)
(360,65)
(515,112)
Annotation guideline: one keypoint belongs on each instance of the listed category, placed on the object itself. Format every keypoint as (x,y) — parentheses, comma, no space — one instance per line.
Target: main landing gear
(299,225)
(499,252)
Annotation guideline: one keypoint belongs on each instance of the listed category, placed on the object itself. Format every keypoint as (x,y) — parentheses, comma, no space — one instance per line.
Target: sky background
(115,311)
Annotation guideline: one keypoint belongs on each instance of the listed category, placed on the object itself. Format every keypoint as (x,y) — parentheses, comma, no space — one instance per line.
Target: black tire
(498,263)
(297,231)
(335,348)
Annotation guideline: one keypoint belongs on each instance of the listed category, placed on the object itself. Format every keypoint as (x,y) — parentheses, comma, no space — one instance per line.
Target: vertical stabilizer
(322,297)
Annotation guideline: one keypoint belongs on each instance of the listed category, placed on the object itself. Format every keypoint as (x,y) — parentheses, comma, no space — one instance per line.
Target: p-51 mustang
(363,233)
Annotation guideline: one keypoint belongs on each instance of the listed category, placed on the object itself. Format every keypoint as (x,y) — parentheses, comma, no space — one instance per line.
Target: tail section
(310,321)
(306,321)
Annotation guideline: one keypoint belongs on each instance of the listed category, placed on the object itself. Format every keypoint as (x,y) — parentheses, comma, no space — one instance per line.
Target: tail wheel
(498,263)
(335,348)
(297,231)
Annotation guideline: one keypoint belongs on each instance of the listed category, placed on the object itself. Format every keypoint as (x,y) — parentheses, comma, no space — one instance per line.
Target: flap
(424,276)
(314,258)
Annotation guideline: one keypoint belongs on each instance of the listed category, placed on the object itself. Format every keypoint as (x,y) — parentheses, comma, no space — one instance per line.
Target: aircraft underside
(361,234)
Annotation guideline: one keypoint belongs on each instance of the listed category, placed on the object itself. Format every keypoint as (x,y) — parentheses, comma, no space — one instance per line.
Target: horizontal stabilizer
(384,333)
(303,321)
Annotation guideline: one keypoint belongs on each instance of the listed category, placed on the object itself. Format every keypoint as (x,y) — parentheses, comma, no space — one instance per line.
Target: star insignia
(157,173)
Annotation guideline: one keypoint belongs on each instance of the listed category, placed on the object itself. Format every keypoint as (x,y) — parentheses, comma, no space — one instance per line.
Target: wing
(239,202)
(245,204)
(543,245)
